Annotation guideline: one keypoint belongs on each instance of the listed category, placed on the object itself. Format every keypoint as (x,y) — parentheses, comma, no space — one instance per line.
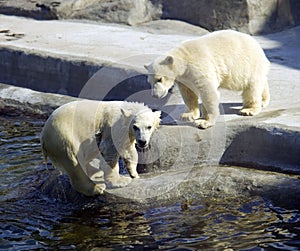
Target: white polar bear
(77,132)
(226,59)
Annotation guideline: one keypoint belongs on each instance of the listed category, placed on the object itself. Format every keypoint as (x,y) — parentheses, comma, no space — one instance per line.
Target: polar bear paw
(187,116)
(99,189)
(202,123)
(250,111)
(121,181)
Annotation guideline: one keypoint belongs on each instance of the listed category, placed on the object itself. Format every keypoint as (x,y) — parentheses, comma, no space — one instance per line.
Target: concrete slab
(35,53)
(104,43)
(100,61)
(61,56)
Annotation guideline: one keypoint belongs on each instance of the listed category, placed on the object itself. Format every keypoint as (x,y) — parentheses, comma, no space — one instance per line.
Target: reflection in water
(32,220)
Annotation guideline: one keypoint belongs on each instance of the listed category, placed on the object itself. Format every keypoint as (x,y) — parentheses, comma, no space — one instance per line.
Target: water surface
(31,219)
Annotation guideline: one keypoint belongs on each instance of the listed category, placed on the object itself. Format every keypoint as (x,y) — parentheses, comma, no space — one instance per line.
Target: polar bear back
(229,56)
(87,116)
(79,116)
(80,120)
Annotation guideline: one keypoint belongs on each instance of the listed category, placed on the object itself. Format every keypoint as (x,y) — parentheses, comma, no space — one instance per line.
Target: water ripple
(32,220)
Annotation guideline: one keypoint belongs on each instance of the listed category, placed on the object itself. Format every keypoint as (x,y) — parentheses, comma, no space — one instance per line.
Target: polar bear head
(142,125)
(162,74)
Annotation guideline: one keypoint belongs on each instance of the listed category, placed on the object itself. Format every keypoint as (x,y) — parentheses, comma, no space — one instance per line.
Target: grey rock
(250,16)
(124,11)
(41,10)
(17,101)
(171,27)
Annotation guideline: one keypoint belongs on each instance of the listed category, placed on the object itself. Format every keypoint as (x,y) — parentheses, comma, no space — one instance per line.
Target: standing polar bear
(226,59)
(77,132)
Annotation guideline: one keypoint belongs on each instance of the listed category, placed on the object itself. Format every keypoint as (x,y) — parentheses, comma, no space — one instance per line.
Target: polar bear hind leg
(253,97)
(79,180)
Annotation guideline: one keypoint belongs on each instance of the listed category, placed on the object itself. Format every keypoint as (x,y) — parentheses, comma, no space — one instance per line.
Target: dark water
(32,220)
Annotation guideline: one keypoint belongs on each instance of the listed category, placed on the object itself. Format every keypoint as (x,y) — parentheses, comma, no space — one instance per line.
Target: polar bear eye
(135,128)
(159,80)
(149,127)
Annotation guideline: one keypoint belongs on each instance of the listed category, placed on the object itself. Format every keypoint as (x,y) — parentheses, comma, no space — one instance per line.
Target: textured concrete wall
(43,72)
(67,76)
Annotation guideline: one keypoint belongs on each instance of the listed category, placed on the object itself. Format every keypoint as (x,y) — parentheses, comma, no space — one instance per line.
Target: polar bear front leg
(191,101)
(210,109)
(110,168)
(203,122)
(131,160)
(113,178)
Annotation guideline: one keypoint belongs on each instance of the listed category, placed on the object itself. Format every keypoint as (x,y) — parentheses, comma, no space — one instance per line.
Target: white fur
(75,132)
(226,59)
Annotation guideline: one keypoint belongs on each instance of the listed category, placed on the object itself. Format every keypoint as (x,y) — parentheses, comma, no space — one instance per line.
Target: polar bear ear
(168,60)
(125,113)
(157,113)
(157,121)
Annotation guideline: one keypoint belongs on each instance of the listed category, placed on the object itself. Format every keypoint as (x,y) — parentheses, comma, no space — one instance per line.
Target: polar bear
(226,59)
(80,131)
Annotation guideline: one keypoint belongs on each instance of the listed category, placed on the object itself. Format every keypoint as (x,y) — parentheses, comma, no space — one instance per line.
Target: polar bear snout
(142,137)
(161,84)
(159,90)
(142,143)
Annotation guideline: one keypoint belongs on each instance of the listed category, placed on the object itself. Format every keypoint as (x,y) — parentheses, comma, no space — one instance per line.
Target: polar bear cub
(226,59)
(80,131)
